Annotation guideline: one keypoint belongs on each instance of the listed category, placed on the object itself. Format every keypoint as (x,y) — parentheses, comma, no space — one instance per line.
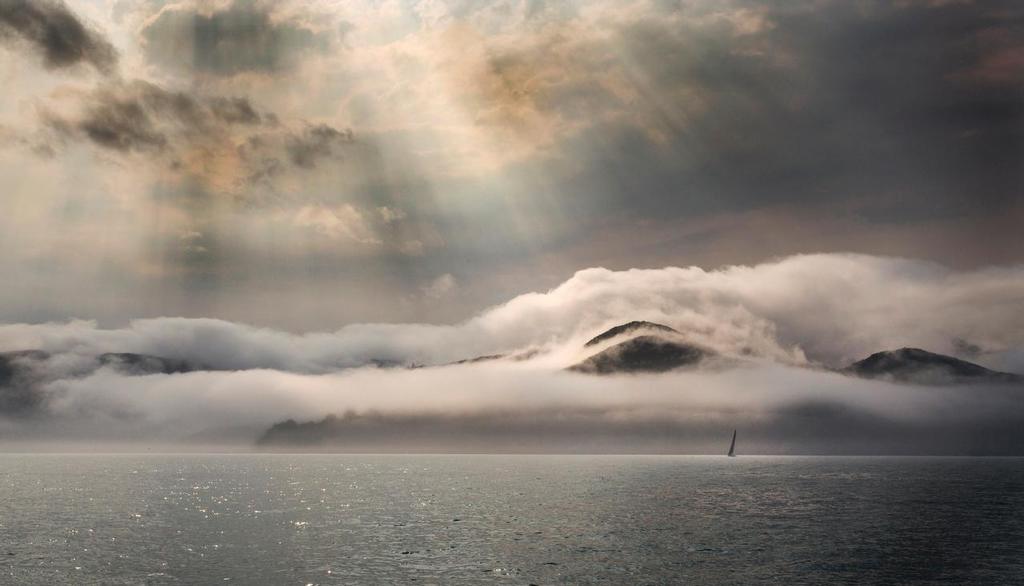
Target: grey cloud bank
(51,29)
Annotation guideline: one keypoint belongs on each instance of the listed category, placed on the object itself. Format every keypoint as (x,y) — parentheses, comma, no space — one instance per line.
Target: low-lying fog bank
(521,408)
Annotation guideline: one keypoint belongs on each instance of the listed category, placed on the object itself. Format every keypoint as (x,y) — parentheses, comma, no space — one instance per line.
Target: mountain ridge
(628,328)
(914,365)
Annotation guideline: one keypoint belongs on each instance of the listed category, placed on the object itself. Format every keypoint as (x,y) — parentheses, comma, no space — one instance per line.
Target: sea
(497,519)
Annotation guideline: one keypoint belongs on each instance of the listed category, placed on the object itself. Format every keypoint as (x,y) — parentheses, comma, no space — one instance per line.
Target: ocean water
(343,519)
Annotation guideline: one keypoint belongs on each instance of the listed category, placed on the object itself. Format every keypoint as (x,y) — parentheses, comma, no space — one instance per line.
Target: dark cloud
(234,110)
(267,155)
(244,37)
(315,143)
(891,112)
(123,125)
(140,116)
(56,33)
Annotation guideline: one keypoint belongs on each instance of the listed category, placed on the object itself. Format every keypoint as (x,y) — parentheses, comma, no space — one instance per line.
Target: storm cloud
(713,108)
(49,28)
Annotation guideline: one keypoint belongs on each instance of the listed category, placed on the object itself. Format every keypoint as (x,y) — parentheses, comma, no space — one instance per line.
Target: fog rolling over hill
(640,387)
(642,347)
(643,354)
(631,328)
(913,365)
(808,425)
(667,360)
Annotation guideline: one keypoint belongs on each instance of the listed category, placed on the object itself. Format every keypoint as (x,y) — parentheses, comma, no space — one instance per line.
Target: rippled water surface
(286,519)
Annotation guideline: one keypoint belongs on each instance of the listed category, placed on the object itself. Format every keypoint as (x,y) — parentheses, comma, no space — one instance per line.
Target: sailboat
(732,446)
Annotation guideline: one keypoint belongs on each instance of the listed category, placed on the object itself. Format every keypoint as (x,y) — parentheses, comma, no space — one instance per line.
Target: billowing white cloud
(827,308)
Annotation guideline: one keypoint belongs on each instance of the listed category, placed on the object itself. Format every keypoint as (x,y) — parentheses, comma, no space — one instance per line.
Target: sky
(308,165)
(295,194)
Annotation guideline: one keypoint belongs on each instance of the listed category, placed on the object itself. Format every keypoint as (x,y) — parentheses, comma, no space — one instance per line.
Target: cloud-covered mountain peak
(629,328)
(914,365)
